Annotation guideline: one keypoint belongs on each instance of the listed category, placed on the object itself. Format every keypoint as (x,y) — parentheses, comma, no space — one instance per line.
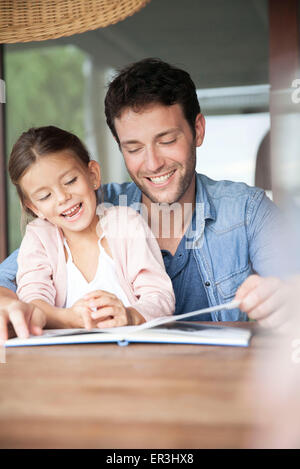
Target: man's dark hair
(151,81)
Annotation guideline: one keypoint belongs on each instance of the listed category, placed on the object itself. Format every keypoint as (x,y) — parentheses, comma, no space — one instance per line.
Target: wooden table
(140,396)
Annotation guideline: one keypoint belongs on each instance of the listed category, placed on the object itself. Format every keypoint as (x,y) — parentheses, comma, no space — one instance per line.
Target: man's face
(159,150)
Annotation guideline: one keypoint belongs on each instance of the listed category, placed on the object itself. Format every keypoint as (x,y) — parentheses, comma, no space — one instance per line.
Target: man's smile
(159,180)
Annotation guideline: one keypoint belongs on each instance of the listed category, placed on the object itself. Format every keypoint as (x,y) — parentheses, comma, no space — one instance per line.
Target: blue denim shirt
(236,228)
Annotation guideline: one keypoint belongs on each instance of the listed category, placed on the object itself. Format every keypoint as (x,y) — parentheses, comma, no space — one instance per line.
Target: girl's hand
(109,311)
(79,315)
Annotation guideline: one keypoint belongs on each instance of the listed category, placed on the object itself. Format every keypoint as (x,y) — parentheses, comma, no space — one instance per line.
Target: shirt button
(207,284)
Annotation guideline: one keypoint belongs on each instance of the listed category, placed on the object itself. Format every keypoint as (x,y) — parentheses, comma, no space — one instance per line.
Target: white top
(105,278)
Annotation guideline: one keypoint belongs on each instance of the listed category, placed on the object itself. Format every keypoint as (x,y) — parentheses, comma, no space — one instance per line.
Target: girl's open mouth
(73,212)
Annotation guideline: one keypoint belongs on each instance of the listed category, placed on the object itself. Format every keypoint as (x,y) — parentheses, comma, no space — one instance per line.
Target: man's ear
(199,129)
(95,174)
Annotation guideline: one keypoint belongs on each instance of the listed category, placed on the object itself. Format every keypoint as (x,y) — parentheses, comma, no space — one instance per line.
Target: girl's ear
(95,174)
(33,208)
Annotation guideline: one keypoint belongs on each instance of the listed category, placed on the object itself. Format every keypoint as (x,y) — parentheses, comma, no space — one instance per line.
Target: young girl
(83,266)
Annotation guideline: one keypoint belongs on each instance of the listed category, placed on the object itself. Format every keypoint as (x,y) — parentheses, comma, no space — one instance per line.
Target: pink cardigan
(42,272)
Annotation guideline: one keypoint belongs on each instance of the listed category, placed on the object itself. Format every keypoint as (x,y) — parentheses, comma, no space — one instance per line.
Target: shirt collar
(202,196)
(205,209)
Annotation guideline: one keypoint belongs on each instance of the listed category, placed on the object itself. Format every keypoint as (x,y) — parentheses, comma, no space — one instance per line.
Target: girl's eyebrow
(60,177)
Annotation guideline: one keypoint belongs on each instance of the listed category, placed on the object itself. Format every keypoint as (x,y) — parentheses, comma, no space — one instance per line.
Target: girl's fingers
(103,302)
(115,322)
(87,321)
(97,294)
(86,316)
(105,311)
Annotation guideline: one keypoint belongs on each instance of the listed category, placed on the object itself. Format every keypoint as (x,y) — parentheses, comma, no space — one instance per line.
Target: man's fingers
(38,322)
(275,320)
(249,284)
(264,289)
(38,318)
(3,328)
(35,330)
(19,323)
(265,308)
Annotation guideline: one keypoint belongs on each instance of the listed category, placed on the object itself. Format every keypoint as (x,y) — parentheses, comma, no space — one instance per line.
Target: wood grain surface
(139,396)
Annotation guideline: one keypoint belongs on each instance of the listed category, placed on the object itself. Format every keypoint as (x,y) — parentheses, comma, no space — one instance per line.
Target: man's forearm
(6,295)
(8,272)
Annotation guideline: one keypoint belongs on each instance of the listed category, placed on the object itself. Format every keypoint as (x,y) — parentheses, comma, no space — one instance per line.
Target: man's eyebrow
(167,132)
(129,142)
(161,134)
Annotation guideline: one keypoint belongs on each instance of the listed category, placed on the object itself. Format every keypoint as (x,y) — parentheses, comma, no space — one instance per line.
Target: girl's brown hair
(39,142)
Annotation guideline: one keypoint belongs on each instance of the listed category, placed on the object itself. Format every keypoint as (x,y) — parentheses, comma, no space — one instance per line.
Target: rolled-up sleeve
(8,272)
(266,236)
(151,284)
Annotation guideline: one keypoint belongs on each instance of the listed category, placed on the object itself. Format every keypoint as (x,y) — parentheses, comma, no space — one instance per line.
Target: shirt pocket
(227,286)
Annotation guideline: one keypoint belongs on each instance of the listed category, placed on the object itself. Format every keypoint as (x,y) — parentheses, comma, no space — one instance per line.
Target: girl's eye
(45,197)
(72,180)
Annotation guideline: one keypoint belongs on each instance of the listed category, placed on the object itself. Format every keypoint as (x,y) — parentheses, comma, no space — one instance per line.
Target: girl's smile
(61,189)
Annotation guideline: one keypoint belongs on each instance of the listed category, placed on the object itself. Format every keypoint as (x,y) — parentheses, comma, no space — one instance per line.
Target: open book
(160,330)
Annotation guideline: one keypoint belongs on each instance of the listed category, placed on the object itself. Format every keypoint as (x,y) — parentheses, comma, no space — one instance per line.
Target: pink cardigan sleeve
(144,268)
(35,274)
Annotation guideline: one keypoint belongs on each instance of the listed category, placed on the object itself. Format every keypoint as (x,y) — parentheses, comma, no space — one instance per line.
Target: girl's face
(60,188)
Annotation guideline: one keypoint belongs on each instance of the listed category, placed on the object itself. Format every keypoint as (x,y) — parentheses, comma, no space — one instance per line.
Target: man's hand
(24,318)
(264,299)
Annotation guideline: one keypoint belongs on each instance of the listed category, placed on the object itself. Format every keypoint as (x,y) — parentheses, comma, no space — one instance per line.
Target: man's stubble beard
(183,183)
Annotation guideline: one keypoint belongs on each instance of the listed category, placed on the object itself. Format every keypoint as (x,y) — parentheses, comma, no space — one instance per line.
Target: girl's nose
(62,196)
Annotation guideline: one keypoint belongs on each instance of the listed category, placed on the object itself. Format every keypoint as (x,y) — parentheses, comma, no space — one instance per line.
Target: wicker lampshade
(38,20)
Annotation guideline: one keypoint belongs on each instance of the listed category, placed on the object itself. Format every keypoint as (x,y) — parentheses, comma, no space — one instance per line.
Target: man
(225,229)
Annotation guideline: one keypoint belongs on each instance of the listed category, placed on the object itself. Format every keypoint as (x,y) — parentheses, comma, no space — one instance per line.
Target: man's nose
(153,160)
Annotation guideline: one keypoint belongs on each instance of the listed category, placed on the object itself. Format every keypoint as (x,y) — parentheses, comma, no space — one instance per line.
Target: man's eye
(72,180)
(169,142)
(134,150)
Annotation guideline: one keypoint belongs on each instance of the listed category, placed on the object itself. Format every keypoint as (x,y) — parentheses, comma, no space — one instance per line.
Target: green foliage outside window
(44,86)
